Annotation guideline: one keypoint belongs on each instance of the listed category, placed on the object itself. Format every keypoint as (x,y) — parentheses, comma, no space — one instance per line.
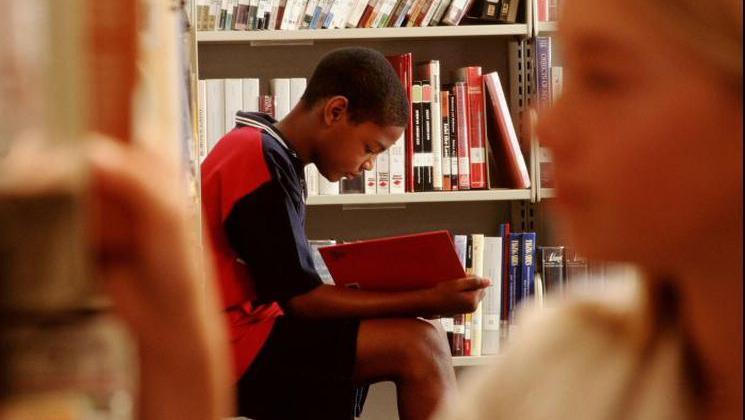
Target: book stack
(508,261)
(253,15)
(460,135)
(221,99)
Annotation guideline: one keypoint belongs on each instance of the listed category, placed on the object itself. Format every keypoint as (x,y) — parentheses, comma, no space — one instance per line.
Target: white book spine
(326,187)
(250,95)
(477,317)
(454,12)
(202,119)
(385,10)
(354,17)
(556,82)
(286,14)
(280,89)
(308,12)
(311,179)
(297,88)
(382,167)
(215,111)
(233,101)
(397,166)
(342,13)
(492,302)
(371,182)
(215,7)
(332,8)
(297,14)
(436,125)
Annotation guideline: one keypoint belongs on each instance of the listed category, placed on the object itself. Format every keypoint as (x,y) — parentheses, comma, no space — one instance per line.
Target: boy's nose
(368,165)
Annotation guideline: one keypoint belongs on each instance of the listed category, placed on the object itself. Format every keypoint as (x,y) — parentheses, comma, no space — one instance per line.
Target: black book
(417,120)
(427,122)
(353,185)
(453,120)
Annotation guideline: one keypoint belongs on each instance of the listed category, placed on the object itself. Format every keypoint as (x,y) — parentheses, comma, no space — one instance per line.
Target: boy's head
(362,109)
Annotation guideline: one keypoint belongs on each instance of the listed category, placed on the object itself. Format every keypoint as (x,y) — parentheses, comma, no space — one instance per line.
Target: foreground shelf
(423,197)
(473,360)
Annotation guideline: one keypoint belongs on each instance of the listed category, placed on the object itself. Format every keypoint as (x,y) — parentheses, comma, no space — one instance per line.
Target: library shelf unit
(503,48)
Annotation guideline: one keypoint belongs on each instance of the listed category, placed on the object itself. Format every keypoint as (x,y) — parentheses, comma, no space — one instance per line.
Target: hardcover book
(408,262)
(503,137)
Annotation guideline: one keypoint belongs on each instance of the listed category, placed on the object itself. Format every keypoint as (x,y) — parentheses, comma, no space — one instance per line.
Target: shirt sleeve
(267,233)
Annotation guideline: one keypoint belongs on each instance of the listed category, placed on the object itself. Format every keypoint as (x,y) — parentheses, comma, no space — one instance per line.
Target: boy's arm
(457,296)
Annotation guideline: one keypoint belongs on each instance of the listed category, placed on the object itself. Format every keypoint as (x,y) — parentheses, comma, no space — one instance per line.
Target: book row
(521,273)
(460,135)
(242,15)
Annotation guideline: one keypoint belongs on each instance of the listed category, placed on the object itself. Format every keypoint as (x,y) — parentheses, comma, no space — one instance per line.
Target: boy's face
(346,149)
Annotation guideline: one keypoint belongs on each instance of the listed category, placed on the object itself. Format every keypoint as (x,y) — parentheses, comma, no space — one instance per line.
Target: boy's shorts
(304,371)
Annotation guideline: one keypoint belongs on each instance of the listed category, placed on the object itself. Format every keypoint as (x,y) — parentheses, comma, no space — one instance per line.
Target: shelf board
(306,35)
(546,28)
(473,360)
(423,197)
(548,193)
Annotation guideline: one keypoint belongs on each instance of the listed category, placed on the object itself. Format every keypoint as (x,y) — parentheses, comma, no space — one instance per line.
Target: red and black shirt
(253,194)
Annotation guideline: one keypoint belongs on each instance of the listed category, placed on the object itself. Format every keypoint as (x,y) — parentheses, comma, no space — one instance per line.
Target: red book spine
(464,164)
(476,127)
(366,14)
(516,168)
(266,105)
(405,68)
(542,10)
(112,57)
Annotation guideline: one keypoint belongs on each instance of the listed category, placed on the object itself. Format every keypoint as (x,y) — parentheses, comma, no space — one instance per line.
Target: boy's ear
(335,109)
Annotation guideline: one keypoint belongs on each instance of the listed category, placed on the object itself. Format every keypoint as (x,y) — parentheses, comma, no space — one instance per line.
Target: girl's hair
(711,30)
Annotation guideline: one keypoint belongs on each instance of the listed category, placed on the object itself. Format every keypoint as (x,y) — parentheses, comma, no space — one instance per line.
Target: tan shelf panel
(300,36)
(473,360)
(423,197)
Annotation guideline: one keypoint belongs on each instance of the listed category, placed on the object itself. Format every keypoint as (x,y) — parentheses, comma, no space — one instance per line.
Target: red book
(472,76)
(407,262)
(461,118)
(367,13)
(266,104)
(111,66)
(504,136)
(403,64)
(542,10)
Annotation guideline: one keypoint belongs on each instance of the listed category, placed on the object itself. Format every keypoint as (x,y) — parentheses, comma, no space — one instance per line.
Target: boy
(302,348)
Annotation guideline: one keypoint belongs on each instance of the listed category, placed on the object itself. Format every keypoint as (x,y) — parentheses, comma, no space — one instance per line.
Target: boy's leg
(414,354)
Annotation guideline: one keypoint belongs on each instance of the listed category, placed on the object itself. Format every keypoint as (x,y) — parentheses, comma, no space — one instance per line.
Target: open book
(396,263)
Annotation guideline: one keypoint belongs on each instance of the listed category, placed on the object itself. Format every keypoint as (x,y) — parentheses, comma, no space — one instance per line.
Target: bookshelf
(285,54)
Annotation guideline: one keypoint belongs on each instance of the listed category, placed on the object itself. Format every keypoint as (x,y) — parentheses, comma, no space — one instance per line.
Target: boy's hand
(457,296)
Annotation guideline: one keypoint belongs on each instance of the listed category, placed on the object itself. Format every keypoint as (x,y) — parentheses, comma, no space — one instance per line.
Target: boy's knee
(426,351)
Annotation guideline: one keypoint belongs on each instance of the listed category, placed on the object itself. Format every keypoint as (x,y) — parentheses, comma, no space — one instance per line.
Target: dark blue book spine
(527,264)
(515,239)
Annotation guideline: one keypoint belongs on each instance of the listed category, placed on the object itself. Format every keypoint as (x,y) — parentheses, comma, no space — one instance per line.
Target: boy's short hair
(367,80)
